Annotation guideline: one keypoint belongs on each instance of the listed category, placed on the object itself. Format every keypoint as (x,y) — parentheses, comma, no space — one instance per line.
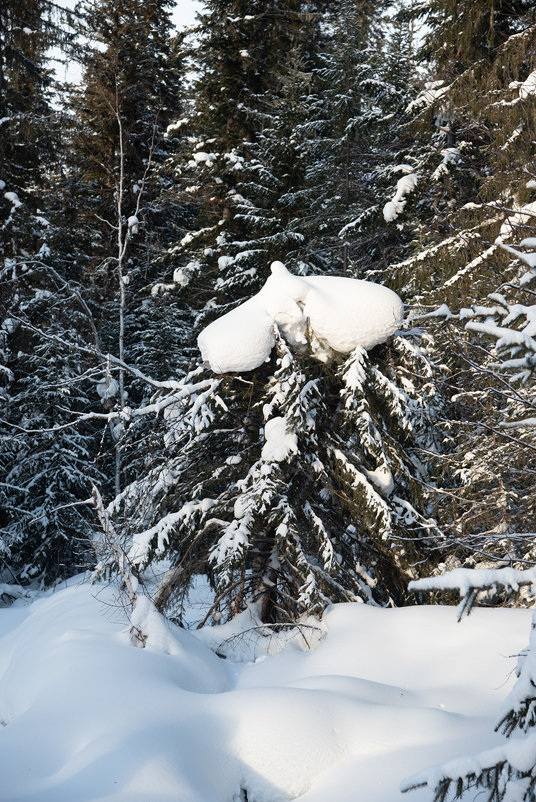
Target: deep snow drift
(341,313)
(384,694)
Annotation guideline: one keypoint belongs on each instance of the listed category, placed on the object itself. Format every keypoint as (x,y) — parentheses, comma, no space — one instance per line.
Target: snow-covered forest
(267,401)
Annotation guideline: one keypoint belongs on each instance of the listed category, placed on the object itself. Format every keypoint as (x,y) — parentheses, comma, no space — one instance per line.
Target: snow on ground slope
(87,717)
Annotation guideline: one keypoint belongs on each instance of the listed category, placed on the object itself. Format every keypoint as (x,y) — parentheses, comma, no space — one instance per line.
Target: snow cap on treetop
(338,314)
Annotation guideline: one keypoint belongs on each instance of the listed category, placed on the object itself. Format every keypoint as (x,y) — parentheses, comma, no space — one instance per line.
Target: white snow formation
(431,93)
(107,388)
(523,218)
(279,442)
(450,156)
(133,224)
(13,198)
(203,158)
(528,87)
(85,716)
(395,206)
(340,313)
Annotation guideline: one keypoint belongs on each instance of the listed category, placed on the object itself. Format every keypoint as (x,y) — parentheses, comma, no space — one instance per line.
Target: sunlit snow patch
(522,219)
(343,313)
(279,442)
(528,87)
(84,716)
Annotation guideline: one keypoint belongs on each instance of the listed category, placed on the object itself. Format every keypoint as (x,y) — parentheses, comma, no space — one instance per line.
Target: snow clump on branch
(404,186)
(340,313)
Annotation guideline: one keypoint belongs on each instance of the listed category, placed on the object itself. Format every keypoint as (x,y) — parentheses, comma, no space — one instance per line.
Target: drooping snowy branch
(404,186)
(470,582)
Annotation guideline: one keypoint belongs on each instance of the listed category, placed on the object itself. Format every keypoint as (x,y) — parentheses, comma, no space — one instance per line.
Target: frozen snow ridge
(328,312)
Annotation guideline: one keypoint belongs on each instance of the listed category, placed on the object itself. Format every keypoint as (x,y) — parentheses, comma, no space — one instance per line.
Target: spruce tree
(46,469)
(242,170)
(130,91)
(26,141)
(350,140)
(473,200)
(354,488)
(294,484)
(48,460)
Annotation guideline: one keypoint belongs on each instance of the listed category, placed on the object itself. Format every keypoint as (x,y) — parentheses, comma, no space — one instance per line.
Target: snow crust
(86,716)
(340,313)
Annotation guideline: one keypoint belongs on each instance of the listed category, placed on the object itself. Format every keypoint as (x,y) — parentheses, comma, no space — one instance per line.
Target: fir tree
(45,474)
(471,197)
(26,143)
(293,485)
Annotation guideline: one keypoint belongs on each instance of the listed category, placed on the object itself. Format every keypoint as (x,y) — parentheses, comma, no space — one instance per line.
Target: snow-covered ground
(385,693)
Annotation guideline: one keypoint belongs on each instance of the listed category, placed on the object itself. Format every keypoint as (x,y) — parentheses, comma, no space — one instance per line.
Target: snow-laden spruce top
(341,313)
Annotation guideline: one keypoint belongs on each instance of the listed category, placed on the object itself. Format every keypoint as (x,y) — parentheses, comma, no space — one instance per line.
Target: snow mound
(86,716)
(240,340)
(347,313)
(343,313)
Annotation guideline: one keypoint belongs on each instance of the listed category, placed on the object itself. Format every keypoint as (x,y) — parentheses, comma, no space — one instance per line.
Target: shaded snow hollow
(85,716)
(341,313)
